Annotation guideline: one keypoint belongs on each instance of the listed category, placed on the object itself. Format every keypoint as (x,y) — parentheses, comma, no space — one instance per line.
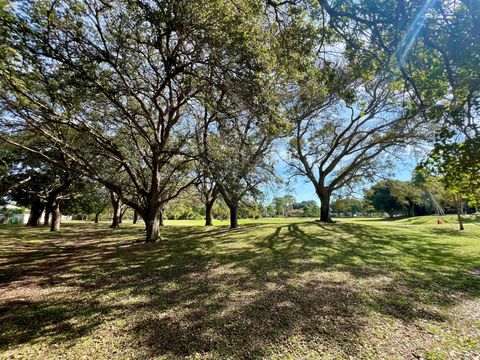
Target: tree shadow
(243,294)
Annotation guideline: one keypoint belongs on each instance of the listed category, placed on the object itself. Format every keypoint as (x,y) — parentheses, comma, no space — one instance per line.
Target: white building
(7,217)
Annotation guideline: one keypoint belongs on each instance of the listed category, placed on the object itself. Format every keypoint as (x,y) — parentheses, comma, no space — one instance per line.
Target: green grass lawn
(274,288)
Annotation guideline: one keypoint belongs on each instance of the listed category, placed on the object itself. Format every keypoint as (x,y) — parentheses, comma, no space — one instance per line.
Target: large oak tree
(346,134)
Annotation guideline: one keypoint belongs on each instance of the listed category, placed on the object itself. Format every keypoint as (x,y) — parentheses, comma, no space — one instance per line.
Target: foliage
(434,47)
(282,204)
(384,197)
(149,98)
(347,206)
(111,85)
(458,165)
(309,207)
(90,198)
(238,157)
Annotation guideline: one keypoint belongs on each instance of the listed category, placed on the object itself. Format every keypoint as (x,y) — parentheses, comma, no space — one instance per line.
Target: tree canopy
(148,99)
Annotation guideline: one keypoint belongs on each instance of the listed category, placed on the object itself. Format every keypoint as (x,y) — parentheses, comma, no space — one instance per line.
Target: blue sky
(303,190)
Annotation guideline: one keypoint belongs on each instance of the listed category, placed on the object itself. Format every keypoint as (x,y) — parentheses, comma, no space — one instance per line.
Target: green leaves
(459,166)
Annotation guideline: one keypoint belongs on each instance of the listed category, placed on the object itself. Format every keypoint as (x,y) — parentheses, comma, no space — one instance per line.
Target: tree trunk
(153,229)
(35,213)
(56,216)
(53,203)
(123,210)
(160,217)
(151,218)
(459,212)
(324,206)
(48,211)
(96,218)
(208,214)
(233,217)
(117,210)
(135,217)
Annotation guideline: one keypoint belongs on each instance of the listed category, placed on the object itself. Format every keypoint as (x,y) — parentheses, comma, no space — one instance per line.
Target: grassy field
(274,288)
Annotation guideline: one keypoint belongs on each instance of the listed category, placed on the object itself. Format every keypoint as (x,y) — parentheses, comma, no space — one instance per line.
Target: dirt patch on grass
(475,272)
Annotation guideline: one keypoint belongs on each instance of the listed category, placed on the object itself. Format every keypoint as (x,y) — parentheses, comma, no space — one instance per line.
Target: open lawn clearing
(274,288)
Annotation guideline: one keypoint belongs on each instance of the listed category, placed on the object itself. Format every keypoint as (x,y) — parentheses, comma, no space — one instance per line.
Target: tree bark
(160,217)
(56,216)
(153,229)
(53,202)
(35,213)
(135,217)
(151,217)
(48,211)
(117,209)
(233,216)
(210,196)
(410,208)
(324,197)
(123,210)
(208,214)
(459,212)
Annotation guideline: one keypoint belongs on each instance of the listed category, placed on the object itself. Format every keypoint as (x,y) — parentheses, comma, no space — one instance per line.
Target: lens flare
(413,31)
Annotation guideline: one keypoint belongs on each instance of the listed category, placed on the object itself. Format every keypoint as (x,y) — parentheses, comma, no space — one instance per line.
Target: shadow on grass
(419,220)
(239,293)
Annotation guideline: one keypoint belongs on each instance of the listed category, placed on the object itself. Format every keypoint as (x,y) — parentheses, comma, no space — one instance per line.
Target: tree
(462,178)
(47,186)
(208,191)
(342,139)
(188,206)
(382,197)
(270,211)
(348,206)
(407,194)
(109,85)
(90,198)
(394,195)
(434,47)
(235,133)
(283,204)
(206,186)
(238,159)
(220,210)
(250,209)
(309,208)
(436,197)
(116,202)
